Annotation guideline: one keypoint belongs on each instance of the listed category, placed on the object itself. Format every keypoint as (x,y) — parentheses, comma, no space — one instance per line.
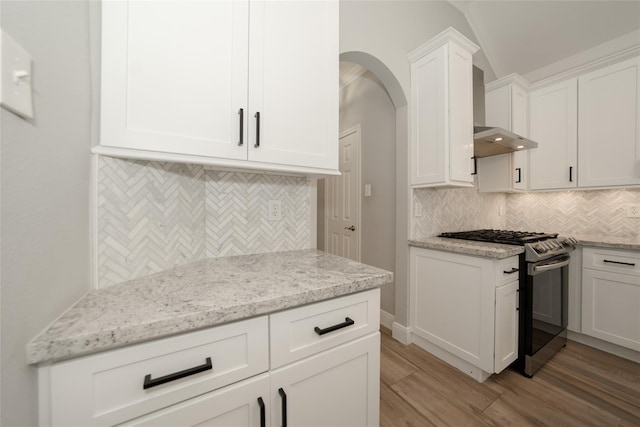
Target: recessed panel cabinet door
(608,129)
(174,76)
(338,387)
(294,83)
(553,125)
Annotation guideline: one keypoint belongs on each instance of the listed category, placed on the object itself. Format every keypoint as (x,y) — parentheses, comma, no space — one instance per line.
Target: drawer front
(294,335)
(507,270)
(625,262)
(108,388)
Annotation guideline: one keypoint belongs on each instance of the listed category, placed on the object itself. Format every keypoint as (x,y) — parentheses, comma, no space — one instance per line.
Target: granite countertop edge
(501,251)
(46,349)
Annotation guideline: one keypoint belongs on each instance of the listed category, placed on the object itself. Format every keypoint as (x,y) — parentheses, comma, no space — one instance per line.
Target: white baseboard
(607,347)
(401,333)
(386,319)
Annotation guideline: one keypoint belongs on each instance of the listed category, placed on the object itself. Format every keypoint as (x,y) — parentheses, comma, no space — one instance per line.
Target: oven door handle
(536,269)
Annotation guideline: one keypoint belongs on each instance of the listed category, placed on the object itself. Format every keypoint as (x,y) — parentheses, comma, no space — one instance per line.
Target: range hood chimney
(491,141)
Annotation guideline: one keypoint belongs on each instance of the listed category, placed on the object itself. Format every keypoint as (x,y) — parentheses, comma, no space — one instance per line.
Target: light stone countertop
(602,241)
(197,295)
(500,251)
(468,247)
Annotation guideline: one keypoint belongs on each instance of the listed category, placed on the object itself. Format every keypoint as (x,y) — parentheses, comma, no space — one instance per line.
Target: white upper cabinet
(185,81)
(506,106)
(553,125)
(441,152)
(609,105)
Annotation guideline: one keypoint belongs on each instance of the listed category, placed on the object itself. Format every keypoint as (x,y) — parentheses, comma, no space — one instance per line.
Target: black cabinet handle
(475,166)
(241,113)
(519,180)
(513,270)
(263,420)
(148,382)
(257,144)
(283,396)
(347,322)
(632,264)
(570,173)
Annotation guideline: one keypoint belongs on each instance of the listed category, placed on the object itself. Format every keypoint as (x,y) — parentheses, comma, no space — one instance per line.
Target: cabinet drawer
(108,388)
(625,262)
(294,334)
(507,270)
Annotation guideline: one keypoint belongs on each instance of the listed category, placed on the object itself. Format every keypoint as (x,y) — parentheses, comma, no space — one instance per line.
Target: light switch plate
(15,86)
(367,190)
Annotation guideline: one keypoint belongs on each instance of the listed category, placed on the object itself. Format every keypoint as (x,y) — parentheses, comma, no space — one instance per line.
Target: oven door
(544,310)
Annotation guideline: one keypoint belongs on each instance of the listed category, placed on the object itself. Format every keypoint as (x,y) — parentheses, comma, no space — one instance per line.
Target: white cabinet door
(506,338)
(244,404)
(611,307)
(608,130)
(293,83)
(338,387)
(442,112)
(553,125)
(453,300)
(174,76)
(520,126)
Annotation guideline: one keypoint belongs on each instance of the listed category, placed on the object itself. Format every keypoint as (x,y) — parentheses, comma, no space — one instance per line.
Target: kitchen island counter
(197,295)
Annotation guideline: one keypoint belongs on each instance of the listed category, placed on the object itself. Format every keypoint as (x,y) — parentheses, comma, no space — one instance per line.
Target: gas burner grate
(500,236)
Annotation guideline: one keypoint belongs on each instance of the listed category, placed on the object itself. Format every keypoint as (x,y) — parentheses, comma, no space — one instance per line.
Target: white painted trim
(607,347)
(588,67)
(401,333)
(93,222)
(358,130)
(386,319)
(219,163)
(450,35)
(511,79)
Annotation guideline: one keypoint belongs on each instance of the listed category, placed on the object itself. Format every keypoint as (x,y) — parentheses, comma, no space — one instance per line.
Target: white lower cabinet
(611,296)
(223,376)
(339,387)
(464,309)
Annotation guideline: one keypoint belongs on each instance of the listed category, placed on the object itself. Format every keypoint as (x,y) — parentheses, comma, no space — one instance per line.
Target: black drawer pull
(632,264)
(257,116)
(241,113)
(475,165)
(263,420)
(148,382)
(513,270)
(283,396)
(347,322)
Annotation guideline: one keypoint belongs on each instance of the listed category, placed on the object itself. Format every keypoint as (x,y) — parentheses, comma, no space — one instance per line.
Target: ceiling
(523,36)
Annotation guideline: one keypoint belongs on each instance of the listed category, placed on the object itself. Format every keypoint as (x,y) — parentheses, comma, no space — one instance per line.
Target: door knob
(352,228)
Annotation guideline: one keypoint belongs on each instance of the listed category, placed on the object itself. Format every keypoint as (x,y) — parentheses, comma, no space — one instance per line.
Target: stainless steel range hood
(491,141)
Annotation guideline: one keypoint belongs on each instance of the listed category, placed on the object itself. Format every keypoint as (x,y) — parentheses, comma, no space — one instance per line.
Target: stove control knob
(540,248)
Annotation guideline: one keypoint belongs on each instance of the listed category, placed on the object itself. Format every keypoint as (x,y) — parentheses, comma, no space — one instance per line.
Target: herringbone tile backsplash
(456,210)
(155,215)
(585,212)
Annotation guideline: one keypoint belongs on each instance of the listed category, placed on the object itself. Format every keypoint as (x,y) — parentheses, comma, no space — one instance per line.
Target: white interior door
(342,200)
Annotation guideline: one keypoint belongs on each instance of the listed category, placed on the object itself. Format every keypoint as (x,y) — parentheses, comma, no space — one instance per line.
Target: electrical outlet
(633,210)
(275,210)
(417,209)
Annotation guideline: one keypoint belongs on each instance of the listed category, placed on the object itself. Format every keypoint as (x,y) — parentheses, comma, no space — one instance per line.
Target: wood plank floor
(580,386)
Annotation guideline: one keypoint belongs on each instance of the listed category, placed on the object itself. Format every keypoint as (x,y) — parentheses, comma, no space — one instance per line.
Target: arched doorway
(384,158)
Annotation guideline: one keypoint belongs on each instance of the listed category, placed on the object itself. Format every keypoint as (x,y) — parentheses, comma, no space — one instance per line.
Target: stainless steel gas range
(543,291)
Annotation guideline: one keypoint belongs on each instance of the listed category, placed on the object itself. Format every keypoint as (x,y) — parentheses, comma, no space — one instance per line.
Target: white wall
(366,103)
(45,173)
(388,31)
